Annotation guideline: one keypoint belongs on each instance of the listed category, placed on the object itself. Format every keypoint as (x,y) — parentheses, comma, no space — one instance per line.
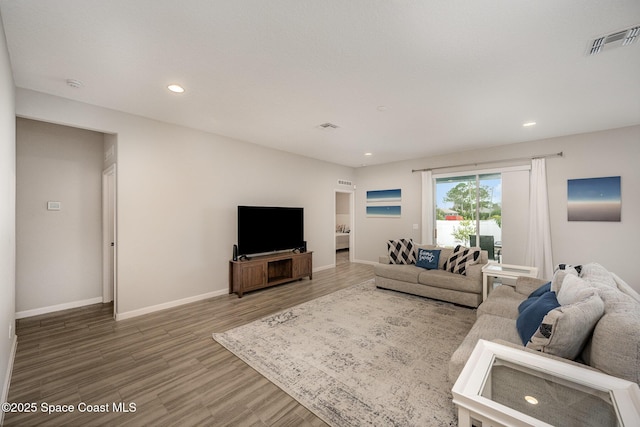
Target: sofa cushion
(565,330)
(405,273)
(445,280)
(428,258)
(531,317)
(488,327)
(615,346)
(460,258)
(503,301)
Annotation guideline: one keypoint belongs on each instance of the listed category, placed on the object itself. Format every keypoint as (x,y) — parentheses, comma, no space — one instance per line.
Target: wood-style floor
(166,363)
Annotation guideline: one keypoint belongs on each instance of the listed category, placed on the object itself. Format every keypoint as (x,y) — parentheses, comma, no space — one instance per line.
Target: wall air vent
(328,126)
(613,40)
(345,182)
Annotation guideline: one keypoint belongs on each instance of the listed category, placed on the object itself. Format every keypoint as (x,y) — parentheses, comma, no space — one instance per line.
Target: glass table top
(548,398)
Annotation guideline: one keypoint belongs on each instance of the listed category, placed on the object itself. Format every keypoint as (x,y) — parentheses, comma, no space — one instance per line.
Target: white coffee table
(505,386)
(506,271)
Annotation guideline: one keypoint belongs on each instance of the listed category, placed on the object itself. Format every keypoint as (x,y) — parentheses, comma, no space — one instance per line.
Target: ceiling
(400,79)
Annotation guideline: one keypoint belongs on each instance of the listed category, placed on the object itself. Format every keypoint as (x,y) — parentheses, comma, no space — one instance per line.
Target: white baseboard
(364,261)
(59,307)
(170,304)
(7,379)
(324,267)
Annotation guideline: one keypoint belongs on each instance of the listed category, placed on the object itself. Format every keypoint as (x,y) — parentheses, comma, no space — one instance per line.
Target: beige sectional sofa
(437,284)
(611,346)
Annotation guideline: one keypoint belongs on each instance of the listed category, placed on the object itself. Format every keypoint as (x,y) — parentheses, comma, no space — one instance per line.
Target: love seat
(609,328)
(464,289)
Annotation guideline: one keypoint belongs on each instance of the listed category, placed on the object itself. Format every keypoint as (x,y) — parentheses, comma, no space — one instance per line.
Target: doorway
(109,237)
(344,227)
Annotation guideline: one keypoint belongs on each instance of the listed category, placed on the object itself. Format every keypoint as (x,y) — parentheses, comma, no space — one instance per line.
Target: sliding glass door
(468,211)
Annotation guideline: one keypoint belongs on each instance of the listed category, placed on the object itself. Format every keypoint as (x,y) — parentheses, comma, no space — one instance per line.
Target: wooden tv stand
(268,270)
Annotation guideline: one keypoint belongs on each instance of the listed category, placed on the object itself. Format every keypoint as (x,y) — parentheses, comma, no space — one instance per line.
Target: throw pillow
(571,289)
(533,296)
(541,290)
(559,275)
(531,317)
(401,251)
(565,330)
(595,273)
(428,258)
(461,258)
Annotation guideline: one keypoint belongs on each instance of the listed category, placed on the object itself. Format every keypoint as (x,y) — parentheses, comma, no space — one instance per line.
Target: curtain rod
(541,156)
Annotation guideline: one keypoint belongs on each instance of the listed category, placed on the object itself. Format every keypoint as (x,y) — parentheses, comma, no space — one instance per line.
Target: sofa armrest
(550,356)
(474,271)
(384,259)
(526,285)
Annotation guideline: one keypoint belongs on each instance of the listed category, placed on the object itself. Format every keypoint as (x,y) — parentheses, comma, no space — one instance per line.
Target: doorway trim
(109,239)
(352,222)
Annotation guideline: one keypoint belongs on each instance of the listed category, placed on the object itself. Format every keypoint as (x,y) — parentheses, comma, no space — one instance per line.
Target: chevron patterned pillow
(401,251)
(460,258)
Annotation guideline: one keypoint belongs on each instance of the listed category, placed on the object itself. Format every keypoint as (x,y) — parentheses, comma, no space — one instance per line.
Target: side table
(506,271)
(506,386)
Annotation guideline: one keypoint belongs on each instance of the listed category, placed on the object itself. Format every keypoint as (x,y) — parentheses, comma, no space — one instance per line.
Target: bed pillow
(401,251)
(428,258)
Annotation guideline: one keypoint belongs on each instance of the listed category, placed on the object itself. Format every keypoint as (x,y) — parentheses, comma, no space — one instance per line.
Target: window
(468,211)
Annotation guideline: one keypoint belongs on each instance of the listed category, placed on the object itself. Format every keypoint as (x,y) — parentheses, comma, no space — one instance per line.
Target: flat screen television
(263,229)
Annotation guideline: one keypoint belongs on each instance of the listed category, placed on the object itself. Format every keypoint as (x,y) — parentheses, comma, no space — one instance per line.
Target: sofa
(597,325)
(437,283)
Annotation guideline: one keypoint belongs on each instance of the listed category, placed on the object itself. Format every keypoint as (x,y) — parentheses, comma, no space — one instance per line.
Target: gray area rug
(360,356)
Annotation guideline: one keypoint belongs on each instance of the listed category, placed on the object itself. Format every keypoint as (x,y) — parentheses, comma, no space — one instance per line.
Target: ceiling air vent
(345,182)
(328,126)
(613,40)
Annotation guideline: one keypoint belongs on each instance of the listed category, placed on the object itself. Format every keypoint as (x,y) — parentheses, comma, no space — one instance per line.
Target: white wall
(7,217)
(599,154)
(58,253)
(178,190)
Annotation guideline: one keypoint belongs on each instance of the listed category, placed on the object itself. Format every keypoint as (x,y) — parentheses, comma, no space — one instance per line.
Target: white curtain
(538,250)
(427,208)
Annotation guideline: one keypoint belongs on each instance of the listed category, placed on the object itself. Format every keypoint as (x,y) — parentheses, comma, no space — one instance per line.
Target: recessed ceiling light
(528,124)
(175,88)
(368,154)
(382,108)
(531,399)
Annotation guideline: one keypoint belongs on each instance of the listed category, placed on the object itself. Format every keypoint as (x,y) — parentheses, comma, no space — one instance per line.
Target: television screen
(264,229)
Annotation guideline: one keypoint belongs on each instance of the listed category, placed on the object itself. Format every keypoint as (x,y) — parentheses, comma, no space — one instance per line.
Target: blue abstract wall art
(594,199)
(384,211)
(394,195)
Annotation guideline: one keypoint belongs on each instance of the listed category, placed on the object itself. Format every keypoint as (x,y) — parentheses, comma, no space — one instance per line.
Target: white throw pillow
(572,289)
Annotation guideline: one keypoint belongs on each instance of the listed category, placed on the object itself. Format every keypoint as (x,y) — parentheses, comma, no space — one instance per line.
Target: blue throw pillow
(534,296)
(541,290)
(526,303)
(428,258)
(531,317)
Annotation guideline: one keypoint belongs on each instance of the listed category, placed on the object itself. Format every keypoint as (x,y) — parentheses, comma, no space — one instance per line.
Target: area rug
(360,356)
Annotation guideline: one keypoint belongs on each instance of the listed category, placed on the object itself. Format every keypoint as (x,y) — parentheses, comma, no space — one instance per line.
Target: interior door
(109,236)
